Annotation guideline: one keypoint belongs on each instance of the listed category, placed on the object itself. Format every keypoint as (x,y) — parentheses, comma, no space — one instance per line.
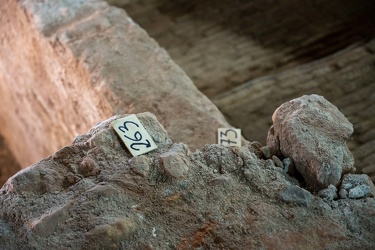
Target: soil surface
(94,195)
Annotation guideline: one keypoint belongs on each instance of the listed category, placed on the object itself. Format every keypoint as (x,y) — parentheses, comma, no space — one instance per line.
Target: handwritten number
(125,127)
(229,130)
(226,135)
(227,141)
(136,137)
(148,144)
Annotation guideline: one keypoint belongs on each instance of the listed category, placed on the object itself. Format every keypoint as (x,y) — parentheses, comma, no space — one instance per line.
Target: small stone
(174,164)
(288,166)
(219,180)
(277,162)
(222,158)
(266,152)
(88,167)
(70,178)
(108,234)
(255,147)
(343,193)
(65,152)
(358,186)
(360,191)
(296,195)
(329,194)
(140,165)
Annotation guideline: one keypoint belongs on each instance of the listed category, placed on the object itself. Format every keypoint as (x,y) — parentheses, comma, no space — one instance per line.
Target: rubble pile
(94,194)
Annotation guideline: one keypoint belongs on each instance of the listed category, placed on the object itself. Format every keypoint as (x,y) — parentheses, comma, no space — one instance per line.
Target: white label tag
(229,136)
(134,135)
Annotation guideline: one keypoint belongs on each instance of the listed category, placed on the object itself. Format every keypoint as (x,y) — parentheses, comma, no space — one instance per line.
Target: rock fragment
(174,164)
(277,162)
(88,167)
(296,195)
(288,166)
(356,186)
(140,165)
(329,193)
(266,152)
(313,133)
(223,159)
(110,234)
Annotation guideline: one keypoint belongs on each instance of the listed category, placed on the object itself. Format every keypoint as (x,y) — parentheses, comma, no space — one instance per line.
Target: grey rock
(329,194)
(313,133)
(296,195)
(140,165)
(288,166)
(220,180)
(174,164)
(357,186)
(7,237)
(343,193)
(266,152)
(277,162)
(360,191)
(224,159)
(89,167)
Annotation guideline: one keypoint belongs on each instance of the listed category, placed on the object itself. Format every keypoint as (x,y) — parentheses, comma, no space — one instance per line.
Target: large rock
(313,133)
(67,64)
(94,195)
(346,79)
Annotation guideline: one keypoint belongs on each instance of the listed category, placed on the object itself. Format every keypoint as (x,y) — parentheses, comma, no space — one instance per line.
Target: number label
(229,137)
(134,135)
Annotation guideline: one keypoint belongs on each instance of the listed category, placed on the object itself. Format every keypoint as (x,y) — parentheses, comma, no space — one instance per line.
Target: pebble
(360,192)
(343,193)
(329,193)
(140,165)
(296,195)
(288,166)
(277,161)
(174,164)
(266,152)
(357,186)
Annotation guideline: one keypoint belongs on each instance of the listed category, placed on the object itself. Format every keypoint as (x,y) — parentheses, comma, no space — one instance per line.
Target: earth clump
(93,194)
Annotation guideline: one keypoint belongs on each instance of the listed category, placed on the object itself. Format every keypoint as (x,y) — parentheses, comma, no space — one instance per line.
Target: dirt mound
(94,195)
